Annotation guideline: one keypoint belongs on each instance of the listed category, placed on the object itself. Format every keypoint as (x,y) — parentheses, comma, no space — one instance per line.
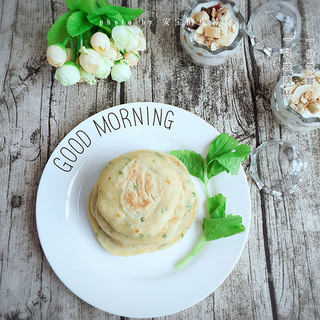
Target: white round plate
(146,285)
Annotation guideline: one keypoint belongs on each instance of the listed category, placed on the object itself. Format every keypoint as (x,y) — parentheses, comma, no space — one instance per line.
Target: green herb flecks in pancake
(146,207)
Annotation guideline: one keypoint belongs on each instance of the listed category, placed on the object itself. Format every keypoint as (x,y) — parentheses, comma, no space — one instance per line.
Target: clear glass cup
(282,111)
(279,167)
(274,27)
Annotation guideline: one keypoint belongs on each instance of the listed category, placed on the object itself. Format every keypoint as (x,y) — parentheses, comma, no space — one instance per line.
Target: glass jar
(282,16)
(290,167)
(201,54)
(285,114)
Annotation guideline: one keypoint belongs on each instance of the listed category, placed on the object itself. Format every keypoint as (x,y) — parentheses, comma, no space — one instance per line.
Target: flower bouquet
(93,40)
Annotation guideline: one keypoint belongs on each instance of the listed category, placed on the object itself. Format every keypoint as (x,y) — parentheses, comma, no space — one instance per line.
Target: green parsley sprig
(225,154)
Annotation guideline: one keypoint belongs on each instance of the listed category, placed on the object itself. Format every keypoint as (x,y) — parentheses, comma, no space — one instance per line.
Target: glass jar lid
(274,27)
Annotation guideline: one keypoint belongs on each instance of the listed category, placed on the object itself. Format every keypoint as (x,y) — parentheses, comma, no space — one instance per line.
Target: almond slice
(213,46)
(223,10)
(309,95)
(209,42)
(317,73)
(300,107)
(212,32)
(200,30)
(314,107)
(299,92)
(201,17)
(316,90)
(303,100)
(220,12)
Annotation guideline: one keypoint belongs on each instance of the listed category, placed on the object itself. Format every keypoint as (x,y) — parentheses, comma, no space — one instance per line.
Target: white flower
(100,42)
(121,72)
(69,55)
(87,77)
(113,53)
(104,69)
(57,55)
(68,74)
(90,60)
(124,38)
(141,46)
(132,58)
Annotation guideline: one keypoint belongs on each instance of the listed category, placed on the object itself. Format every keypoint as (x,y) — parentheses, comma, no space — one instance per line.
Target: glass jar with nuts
(211,31)
(297,105)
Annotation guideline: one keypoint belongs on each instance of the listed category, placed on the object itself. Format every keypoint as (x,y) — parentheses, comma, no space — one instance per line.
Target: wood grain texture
(277,276)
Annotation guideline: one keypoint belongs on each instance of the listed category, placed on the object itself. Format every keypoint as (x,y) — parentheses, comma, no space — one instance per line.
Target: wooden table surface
(278,274)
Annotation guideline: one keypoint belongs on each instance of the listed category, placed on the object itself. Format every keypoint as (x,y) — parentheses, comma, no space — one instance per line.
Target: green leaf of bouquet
(231,160)
(128,14)
(101,22)
(87,6)
(102,3)
(86,37)
(78,24)
(94,19)
(110,13)
(192,160)
(58,31)
(222,227)
(217,206)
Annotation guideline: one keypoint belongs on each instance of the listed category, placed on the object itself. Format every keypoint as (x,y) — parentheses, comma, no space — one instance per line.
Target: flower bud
(131,58)
(89,60)
(124,38)
(104,69)
(100,42)
(56,55)
(113,53)
(141,45)
(68,74)
(69,54)
(87,77)
(120,72)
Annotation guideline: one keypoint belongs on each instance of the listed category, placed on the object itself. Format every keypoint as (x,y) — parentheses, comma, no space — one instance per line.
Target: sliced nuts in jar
(201,17)
(298,92)
(216,23)
(212,32)
(305,98)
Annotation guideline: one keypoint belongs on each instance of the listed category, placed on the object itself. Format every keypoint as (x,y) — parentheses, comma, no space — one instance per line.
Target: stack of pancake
(143,201)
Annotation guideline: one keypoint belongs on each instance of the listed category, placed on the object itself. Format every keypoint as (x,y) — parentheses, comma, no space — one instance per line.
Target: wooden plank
(24,92)
(30,109)
(276,276)
(68,107)
(219,96)
(291,256)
